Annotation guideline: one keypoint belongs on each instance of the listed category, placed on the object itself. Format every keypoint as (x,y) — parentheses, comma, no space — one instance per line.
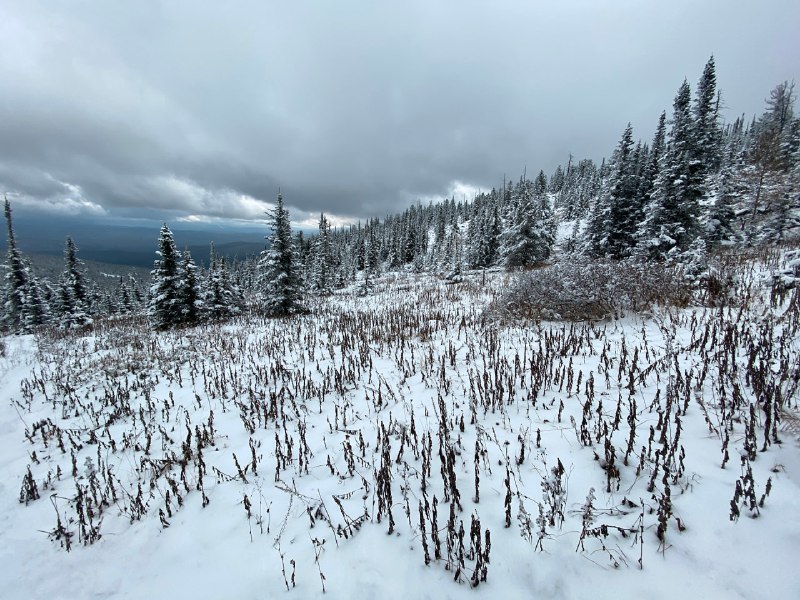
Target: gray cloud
(352,108)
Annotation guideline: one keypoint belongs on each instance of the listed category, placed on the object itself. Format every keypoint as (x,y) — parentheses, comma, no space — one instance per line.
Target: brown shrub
(592,291)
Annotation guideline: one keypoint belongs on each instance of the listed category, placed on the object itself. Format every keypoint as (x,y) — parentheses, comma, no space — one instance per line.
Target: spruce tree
(137,296)
(372,257)
(719,224)
(580,188)
(74,272)
(453,257)
(771,157)
(617,213)
(412,238)
(707,136)
(477,250)
(440,228)
(17,276)
(654,162)
(540,184)
(361,249)
(530,235)
(491,232)
(322,276)
(282,292)
(73,292)
(37,311)
(191,305)
(557,180)
(165,305)
(223,298)
(671,220)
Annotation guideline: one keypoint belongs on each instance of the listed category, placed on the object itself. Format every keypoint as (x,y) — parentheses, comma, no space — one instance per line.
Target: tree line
(697,185)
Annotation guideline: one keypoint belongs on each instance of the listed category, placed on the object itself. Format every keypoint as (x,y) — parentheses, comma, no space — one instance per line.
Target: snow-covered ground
(239,461)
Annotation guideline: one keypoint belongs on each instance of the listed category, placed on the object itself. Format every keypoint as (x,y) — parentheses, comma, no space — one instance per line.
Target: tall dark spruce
(165,305)
(17,277)
(671,221)
(73,297)
(618,211)
(281,281)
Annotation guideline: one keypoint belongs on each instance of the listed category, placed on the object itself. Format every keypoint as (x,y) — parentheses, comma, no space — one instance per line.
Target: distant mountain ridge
(105,276)
(133,246)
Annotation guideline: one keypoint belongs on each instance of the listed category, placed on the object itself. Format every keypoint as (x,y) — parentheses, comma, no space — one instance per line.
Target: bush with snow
(593,290)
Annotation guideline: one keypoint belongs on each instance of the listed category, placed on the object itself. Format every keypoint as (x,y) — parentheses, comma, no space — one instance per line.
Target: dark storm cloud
(356,109)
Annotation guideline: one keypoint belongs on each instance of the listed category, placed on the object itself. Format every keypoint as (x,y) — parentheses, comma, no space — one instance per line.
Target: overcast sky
(201,110)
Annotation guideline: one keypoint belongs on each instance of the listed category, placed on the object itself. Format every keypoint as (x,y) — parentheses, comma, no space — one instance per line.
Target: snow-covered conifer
(222,296)
(165,305)
(617,212)
(73,297)
(190,300)
(17,276)
(282,286)
(671,221)
(530,235)
(322,261)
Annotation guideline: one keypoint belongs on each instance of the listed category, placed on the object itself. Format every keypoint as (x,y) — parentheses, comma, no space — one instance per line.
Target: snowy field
(407,445)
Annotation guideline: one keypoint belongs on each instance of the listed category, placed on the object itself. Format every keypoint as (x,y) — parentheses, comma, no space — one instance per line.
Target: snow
(355,366)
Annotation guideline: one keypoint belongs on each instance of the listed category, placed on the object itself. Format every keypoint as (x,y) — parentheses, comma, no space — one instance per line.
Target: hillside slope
(385,446)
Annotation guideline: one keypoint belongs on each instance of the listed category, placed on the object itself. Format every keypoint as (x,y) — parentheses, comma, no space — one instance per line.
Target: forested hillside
(697,186)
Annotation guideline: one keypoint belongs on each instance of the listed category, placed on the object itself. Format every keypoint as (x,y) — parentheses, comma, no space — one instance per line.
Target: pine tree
(165,305)
(280,273)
